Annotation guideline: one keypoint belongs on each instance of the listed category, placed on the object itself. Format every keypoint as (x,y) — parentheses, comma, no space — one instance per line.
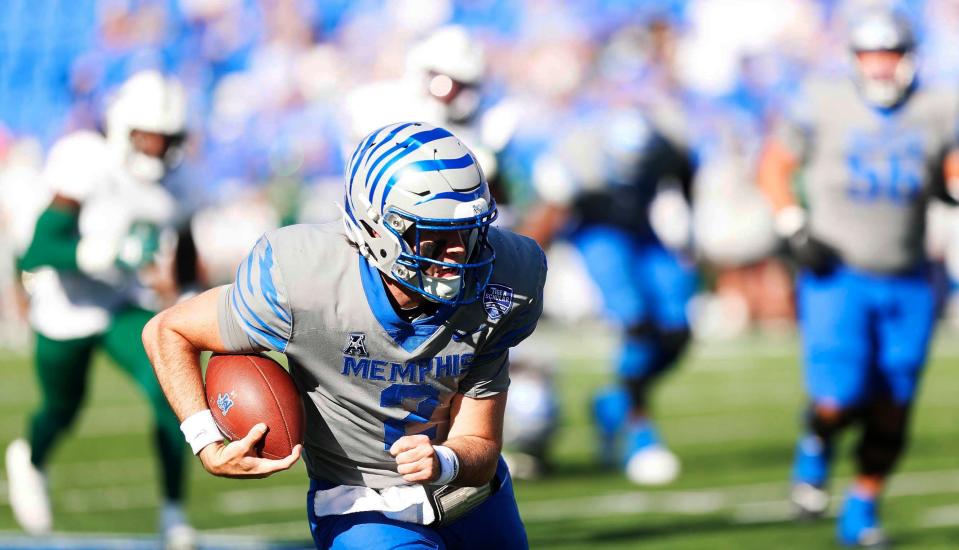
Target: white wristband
(94,256)
(789,220)
(449,464)
(200,430)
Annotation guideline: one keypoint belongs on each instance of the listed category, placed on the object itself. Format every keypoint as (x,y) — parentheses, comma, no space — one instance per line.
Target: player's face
(445,88)
(152,144)
(879,65)
(444,246)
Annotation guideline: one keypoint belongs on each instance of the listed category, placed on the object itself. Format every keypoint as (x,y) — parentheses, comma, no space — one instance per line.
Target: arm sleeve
(488,374)
(54,242)
(254,312)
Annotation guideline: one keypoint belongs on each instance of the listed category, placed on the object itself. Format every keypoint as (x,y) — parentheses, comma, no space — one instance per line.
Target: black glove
(811,253)
(808,251)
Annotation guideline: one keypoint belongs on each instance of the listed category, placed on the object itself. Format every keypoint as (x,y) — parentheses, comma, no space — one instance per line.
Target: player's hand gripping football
(238,459)
(416,459)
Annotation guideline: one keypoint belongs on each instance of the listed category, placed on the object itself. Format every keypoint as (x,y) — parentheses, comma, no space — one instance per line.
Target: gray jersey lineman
(867,178)
(366,377)
(873,150)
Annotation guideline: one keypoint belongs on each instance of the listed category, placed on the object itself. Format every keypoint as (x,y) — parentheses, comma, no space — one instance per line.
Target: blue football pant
(494,524)
(645,288)
(864,335)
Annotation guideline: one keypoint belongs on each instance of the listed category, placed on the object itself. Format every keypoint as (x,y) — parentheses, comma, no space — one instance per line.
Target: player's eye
(432,249)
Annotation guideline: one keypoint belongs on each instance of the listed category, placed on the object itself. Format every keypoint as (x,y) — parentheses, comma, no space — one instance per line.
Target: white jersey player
(90,252)
(442,85)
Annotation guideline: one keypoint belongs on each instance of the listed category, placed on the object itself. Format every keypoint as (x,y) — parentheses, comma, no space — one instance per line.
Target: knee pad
(672,344)
(638,389)
(643,330)
(826,426)
(879,450)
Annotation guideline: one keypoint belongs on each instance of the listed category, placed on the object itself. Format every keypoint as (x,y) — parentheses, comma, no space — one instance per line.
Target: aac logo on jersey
(497,300)
(356,346)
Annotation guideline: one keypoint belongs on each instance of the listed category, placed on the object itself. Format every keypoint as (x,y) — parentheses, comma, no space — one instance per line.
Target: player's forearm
(176,363)
(477,459)
(775,173)
(174,339)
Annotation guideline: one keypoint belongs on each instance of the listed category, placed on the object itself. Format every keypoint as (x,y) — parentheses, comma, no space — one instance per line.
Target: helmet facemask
(419,209)
(153,165)
(421,265)
(886,91)
(460,99)
(875,41)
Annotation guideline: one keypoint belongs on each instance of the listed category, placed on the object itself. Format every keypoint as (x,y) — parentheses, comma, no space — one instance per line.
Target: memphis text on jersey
(415,371)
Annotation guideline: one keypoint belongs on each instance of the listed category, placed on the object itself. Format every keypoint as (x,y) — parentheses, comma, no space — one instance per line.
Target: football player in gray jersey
(397,324)
(873,151)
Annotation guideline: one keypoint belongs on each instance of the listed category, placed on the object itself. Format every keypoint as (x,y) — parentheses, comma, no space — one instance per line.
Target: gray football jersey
(366,377)
(867,173)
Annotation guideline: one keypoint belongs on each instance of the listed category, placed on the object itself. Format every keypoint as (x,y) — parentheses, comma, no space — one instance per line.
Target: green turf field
(730,414)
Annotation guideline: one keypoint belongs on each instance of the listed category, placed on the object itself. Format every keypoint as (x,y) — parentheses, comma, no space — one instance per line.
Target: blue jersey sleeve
(256,312)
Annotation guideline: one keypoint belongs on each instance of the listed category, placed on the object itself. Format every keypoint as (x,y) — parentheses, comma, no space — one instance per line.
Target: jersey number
(894,176)
(395,396)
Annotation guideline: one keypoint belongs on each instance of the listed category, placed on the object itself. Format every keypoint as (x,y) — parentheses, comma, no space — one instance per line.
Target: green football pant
(62,367)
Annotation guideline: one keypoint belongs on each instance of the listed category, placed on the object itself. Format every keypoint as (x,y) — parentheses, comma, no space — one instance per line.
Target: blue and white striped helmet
(409,177)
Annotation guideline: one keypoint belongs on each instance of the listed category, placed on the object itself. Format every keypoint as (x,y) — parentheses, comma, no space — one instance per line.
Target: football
(243,390)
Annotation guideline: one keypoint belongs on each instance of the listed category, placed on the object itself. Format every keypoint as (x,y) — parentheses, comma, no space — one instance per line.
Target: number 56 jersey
(869,172)
(367,377)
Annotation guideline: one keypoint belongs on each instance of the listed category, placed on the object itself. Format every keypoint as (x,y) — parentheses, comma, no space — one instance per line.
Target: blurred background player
(442,84)
(100,262)
(873,150)
(532,412)
(599,183)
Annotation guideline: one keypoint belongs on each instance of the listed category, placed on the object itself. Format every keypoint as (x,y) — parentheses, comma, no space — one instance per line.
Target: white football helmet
(884,31)
(411,177)
(452,65)
(148,102)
